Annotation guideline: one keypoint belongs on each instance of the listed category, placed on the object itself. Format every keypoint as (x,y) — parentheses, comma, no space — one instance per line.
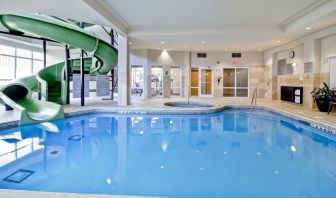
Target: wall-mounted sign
(76,91)
(103,85)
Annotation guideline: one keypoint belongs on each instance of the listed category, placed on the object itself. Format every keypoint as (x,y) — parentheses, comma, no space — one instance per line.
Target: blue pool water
(235,153)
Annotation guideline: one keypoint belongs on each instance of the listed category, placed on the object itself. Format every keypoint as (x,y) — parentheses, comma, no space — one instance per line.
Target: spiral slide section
(50,80)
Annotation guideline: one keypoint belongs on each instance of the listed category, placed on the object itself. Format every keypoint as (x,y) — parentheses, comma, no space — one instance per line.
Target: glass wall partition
(242,82)
(206,82)
(156,81)
(229,80)
(137,81)
(235,82)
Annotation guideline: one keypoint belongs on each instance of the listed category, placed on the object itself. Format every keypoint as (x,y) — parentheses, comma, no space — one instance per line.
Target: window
(16,62)
(235,82)
(23,67)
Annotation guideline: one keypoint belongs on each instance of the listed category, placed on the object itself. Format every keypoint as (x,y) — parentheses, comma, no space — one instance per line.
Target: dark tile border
(29,173)
(76,138)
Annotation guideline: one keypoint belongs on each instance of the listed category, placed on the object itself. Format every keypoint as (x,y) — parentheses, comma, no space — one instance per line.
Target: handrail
(254,97)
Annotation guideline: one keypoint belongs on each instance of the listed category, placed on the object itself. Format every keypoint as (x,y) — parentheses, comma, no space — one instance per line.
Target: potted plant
(322,97)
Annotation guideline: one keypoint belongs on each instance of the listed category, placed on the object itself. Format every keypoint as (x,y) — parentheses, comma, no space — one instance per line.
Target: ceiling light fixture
(308,28)
(203,42)
(259,49)
(130,43)
(163,42)
(278,41)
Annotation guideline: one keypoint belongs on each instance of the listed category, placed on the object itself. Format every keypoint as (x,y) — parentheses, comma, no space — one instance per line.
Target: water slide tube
(50,80)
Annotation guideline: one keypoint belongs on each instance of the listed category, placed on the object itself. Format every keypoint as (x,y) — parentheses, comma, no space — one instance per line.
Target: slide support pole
(67,74)
(82,71)
(44,47)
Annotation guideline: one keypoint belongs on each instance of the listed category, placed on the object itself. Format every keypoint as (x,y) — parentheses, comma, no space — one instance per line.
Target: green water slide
(50,81)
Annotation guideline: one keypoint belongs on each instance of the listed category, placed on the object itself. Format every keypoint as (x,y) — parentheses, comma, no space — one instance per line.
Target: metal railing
(254,97)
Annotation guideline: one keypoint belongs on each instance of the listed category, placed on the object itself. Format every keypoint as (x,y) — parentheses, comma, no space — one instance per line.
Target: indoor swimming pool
(233,153)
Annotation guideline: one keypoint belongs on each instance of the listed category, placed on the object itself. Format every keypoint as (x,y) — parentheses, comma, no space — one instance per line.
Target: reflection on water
(233,153)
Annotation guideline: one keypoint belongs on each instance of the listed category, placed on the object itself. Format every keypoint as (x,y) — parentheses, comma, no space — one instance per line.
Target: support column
(44,47)
(112,71)
(82,71)
(275,94)
(67,74)
(146,76)
(312,65)
(166,82)
(312,55)
(44,44)
(187,80)
(123,72)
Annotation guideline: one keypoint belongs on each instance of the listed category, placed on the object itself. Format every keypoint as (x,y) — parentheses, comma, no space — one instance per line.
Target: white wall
(225,59)
(183,59)
(55,55)
(328,48)
(167,58)
(316,48)
(22,45)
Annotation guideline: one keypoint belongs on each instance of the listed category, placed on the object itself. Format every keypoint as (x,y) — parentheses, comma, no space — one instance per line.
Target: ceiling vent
(236,55)
(201,55)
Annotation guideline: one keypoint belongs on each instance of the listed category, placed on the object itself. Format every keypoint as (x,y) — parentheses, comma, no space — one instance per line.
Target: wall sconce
(294,64)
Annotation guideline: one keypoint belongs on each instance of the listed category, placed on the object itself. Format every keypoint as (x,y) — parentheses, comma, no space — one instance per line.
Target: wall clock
(291,54)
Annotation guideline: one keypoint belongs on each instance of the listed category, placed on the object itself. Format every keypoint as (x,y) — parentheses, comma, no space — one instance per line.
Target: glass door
(157,81)
(206,82)
(194,82)
(137,80)
(235,82)
(242,82)
(229,82)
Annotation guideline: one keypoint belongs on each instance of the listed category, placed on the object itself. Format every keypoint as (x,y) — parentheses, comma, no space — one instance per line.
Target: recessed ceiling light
(163,42)
(203,42)
(259,49)
(130,43)
(278,41)
(308,28)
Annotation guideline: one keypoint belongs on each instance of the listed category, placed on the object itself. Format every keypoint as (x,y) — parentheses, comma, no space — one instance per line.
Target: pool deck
(156,105)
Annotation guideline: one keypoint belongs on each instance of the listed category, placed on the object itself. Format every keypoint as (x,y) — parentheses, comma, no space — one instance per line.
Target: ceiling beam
(309,15)
(101,7)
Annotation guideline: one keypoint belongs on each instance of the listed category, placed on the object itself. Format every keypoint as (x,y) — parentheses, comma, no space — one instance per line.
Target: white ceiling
(223,24)
(244,25)
(71,9)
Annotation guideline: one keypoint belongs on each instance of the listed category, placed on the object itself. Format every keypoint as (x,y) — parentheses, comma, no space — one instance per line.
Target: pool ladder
(254,97)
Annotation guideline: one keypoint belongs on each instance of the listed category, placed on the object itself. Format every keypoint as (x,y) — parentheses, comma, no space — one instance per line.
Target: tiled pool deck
(141,106)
